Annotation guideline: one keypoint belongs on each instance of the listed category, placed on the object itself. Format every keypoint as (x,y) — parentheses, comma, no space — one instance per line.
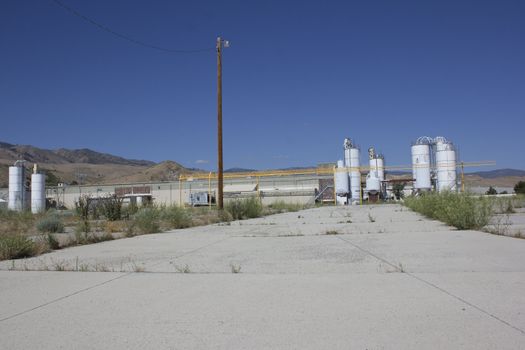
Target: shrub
(459,210)
(112,208)
(114,226)
(50,224)
(83,227)
(82,207)
(282,206)
(16,246)
(14,222)
(491,191)
(52,242)
(244,208)
(176,217)
(146,220)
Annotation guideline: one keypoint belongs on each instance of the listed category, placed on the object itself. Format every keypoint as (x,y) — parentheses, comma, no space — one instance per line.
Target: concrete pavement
(385,278)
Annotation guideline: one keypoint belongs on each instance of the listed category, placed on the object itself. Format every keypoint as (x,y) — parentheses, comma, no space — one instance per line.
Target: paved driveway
(370,277)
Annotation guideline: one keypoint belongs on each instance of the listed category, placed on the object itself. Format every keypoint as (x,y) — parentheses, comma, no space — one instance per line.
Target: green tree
(520,187)
(491,191)
(52,179)
(398,188)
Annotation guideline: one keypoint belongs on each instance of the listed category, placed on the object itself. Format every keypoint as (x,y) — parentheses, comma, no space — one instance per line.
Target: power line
(125,37)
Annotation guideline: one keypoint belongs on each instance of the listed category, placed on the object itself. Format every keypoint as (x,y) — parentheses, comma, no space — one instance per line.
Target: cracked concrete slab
(384,278)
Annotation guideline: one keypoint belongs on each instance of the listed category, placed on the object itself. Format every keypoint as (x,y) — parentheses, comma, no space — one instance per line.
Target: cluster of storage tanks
(433,167)
(348,175)
(434,162)
(20,197)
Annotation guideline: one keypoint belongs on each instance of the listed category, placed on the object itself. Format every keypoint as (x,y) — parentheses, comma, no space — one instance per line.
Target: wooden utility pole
(220,203)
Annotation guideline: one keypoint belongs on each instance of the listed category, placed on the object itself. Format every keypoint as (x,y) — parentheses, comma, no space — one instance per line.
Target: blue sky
(298,78)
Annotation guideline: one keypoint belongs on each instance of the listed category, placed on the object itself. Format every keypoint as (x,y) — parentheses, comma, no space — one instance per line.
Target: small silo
(17,191)
(421,164)
(445,165)
(38,191)
(341,183)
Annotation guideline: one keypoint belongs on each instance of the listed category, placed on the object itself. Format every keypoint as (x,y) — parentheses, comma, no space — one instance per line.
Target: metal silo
(17,192)
(421,164)
(380,163)
(445,165)
(38,191)
(354,171)
(377,164)
(341,183)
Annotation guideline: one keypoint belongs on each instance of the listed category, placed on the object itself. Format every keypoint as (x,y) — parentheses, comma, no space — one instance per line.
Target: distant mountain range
(63,156)
(85,166)
(492,174)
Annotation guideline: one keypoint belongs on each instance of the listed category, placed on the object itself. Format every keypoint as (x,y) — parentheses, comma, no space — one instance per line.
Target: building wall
(292,189)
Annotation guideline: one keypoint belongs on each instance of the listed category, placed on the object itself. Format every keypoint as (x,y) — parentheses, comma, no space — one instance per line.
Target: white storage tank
(355,174)
(445,165)
(341,183)
(38,193)
(380,164)
(373,185)
(17,192)
(421,166)
(377,164)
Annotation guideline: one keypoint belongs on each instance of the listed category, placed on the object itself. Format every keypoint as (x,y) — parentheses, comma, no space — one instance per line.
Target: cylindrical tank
(341,180)
(347,144)
(341,183)
(380,168)
(421,166)
(377,167)
(372,162)
(38,193)
(16,188)
(446,166)
(373,185)
(355,174)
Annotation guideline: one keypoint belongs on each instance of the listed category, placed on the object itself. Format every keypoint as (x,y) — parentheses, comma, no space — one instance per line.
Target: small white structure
(352,153)
(38,191)
(341,183)
(445,165)
(421,164)
(17,191)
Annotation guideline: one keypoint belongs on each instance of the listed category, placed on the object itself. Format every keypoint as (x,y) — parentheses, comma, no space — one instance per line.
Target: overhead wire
(125,37)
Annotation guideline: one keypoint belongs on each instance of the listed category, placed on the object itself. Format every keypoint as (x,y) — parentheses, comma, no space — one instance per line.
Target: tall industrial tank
(38,191)
(352,161)
(377,164)
(373,181)
(17,191)
(445,165)
(341,183)
(421,165)
(380,163)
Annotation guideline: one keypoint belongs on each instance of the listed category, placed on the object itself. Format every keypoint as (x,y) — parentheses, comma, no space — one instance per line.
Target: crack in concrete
(100,284)
(442,290)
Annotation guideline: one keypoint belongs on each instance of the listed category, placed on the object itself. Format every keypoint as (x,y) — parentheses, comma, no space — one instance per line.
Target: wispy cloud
(202,161)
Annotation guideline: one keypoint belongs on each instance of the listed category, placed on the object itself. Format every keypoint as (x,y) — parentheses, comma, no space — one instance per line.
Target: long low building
(302,189)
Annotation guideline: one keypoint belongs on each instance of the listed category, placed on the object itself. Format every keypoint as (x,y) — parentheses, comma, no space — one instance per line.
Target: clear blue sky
(298,78)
